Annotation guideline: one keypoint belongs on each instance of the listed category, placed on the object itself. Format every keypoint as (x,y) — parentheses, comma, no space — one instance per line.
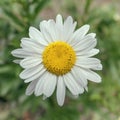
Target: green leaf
(13,17)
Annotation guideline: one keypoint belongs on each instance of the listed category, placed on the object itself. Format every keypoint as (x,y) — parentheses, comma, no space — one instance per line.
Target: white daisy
(58,56)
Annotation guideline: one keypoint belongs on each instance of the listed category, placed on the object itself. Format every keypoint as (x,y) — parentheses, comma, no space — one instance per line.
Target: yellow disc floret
(59,57)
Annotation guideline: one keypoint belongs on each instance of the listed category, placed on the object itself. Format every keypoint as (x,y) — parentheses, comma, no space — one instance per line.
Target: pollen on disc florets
(58,57)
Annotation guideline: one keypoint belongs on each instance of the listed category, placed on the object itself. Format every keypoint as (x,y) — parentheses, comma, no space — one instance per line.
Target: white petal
(37,36)
(30,62)
(40,84)
(53,30)
(26,40)
(88,53)
(92,35)
(82,30)
(80,33)
(32,46)
(71,84)
(86,88)
(29,72)
(79,76)
(20,53)
(99,67)
(17,61)
(93,52)
(92,63)
(31,87)
(59,26)
(49,85)
(59,20)
(23,53)
(35,76)
(44,27)
(60,91)
(90,75)
(84,39)
(68,28)
(86,44)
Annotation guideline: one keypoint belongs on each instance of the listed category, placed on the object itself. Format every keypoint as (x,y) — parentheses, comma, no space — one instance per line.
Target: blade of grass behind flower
(39,6)
(13,17)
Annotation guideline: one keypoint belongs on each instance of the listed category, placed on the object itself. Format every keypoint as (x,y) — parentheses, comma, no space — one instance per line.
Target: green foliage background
(102,102)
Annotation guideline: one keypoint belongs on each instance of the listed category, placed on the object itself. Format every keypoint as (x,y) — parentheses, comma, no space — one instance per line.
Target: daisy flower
(58,57)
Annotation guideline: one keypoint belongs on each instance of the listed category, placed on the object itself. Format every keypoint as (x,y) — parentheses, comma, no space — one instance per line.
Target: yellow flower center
(58,58)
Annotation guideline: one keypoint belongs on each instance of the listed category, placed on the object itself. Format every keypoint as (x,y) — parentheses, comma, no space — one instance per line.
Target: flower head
(58,56)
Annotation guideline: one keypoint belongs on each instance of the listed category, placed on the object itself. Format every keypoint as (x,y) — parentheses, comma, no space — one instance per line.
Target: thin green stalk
(87,6)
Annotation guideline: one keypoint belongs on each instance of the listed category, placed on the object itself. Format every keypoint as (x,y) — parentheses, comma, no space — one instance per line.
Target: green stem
(87,6)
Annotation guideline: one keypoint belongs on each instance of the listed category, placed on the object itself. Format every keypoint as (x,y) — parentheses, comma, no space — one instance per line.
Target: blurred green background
(102,102)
